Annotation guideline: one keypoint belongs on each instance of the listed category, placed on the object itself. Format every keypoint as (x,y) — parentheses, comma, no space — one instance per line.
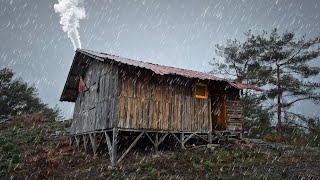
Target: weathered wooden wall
(156,102)
(234,114)
(130,98)
(97,107)
(226,107)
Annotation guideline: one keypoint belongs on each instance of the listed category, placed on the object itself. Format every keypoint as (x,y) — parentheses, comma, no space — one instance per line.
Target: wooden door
(219,113)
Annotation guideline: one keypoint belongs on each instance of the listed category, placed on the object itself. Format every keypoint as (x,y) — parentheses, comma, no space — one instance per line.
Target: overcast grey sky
(179,33)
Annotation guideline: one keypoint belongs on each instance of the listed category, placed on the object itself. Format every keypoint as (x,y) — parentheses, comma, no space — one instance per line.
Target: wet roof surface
(156,68)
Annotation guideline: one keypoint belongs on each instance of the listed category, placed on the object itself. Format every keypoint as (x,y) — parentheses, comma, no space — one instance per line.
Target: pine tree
(290,63)
(240,64)
(283,64)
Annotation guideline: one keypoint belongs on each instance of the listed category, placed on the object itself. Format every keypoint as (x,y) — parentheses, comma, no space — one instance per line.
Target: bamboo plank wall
(159,103)
(234,115)
(96,108)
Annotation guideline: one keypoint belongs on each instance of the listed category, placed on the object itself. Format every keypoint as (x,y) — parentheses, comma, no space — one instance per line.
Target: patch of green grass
(9,155)
(10,150)
(208,165)
(149,169)
(152,172)
(112,174)
(196,167)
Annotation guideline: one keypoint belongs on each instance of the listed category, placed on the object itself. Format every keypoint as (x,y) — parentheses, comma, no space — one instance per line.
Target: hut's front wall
(159,103)
(96,107)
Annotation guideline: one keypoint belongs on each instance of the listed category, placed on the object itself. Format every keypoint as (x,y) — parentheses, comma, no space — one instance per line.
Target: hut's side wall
(97,107)
(159,103)
(234,111)
(227,109)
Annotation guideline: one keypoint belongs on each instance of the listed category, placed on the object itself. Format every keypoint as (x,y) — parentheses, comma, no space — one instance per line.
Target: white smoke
(71,12)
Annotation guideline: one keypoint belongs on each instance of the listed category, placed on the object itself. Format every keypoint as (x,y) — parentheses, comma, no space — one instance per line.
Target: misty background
(169,32)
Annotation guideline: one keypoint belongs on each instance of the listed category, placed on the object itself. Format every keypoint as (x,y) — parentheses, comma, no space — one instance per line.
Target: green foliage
(9,155)
(281,63)
(314,131)
(196,167)
(256,118)
(17,97)
(208,165)
(14,138)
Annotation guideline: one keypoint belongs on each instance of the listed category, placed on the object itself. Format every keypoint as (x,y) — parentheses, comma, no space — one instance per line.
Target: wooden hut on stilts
(115,95)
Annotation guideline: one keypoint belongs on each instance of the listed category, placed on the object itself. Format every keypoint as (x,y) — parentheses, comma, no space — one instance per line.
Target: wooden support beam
(99,139)
(188,138)
(210,137)
(156,143)
(162,138)
(182,141)
(70,141)
(150,138)
(93,141)
(85,142)
(108,143)
(205,139)
(175,136)
(114,147)
(130,147)
(77,142)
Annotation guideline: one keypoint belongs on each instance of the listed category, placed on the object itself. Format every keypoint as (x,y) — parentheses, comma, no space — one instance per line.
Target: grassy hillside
(35,148)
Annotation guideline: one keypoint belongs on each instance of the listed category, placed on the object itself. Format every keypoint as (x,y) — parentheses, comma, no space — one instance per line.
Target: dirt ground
(33,149)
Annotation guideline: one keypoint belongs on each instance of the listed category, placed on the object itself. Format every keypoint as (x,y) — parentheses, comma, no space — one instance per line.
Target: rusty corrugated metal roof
(156,68)
(166,70)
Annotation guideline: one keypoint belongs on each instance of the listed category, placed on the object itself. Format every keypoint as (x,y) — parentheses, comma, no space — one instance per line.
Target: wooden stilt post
(114,147)
(85,142)
(70,141)
(152,141)
(77,142)
(182,141)
(108,144)
(210,137)
(156,143)
(93,141)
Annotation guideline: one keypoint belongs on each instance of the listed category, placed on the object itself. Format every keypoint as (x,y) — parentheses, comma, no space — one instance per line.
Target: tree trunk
(279,96)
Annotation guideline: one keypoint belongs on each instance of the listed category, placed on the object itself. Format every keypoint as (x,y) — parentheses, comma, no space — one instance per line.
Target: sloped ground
(33,148)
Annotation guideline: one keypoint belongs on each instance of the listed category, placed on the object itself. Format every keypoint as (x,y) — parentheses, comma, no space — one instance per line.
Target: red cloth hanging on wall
(82,86)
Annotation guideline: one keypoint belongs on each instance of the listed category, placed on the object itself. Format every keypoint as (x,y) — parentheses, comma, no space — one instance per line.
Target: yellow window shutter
(201,91)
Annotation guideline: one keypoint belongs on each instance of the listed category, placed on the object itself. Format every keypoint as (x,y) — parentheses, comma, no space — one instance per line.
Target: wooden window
(201,91)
